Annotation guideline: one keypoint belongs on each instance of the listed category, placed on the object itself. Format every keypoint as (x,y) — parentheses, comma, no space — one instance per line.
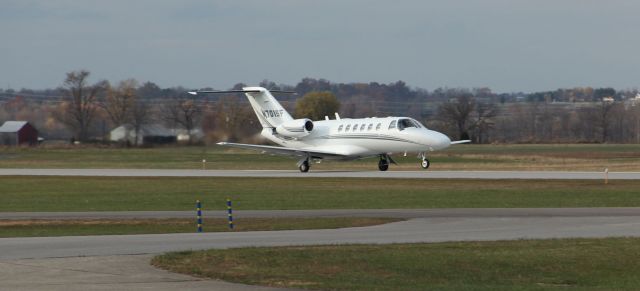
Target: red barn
(18,133)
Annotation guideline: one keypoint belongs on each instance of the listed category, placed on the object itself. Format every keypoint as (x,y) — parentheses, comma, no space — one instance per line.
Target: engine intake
(295,128)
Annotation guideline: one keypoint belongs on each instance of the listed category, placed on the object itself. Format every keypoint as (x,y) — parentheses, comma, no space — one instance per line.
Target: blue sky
(507,45)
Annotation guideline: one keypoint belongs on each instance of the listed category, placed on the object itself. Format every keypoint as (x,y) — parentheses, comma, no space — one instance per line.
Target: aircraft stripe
(365,136)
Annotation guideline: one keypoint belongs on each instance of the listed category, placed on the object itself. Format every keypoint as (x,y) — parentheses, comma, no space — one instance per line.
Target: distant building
(149,134)
(18,133)
(184,136)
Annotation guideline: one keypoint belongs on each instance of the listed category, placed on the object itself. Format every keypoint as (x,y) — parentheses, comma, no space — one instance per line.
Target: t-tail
(269,111)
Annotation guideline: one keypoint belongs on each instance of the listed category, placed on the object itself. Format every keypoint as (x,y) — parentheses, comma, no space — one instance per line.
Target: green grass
(126,193)
(575,264)
(587,157)
(33,228)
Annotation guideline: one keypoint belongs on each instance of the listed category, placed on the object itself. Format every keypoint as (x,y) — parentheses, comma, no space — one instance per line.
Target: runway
(325,174)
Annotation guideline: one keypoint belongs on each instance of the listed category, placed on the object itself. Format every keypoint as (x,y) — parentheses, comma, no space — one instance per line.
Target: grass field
(575,264)
(584,157)
(125,193)
(33,228)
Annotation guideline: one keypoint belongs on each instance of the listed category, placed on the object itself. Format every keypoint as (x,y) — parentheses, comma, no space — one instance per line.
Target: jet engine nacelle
(295,128)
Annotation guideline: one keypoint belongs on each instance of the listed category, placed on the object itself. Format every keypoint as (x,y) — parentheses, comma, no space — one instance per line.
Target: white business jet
(337,139)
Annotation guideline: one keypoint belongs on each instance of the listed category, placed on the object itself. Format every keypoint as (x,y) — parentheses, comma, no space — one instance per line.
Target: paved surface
(435,229)
(395,213)
(121,262)
(322,174)
(102,273)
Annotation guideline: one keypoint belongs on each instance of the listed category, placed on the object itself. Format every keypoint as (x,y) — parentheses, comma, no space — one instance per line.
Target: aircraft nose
(442,141)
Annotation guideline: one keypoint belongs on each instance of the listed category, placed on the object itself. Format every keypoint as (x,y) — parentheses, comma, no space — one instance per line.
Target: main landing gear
(383,164)
(305,164)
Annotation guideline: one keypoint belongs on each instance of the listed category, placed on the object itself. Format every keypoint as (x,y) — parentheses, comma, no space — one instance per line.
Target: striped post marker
(199,208)
(230,213)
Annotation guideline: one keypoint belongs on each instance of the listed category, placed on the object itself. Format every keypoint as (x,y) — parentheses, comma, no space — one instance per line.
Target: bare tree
(604,118)
(183,112)
(483,121)
(140,115)
(78,110)
(120,100)
(458,112)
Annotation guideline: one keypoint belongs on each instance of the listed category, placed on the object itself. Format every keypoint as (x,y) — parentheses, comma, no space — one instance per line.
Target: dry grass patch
(29,228)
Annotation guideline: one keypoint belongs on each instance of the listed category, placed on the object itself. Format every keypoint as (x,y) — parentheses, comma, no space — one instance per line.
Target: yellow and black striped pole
(199,208)
(230,213)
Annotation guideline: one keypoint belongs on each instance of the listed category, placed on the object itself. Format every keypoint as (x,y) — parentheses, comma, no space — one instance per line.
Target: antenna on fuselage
(337,116)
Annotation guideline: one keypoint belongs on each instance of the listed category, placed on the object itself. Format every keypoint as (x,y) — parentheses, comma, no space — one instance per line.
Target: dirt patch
(51,222)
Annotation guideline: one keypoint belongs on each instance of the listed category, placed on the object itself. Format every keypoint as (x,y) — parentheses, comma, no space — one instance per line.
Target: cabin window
(340,127)
(392,124)
(370,127)
(378,126)
(355,127)
(362,127)
(348,126)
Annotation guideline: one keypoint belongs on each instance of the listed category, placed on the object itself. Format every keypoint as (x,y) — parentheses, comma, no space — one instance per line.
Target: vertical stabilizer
(267,108)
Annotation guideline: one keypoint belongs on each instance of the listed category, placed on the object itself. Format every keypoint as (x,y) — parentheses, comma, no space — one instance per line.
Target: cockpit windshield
(407,122)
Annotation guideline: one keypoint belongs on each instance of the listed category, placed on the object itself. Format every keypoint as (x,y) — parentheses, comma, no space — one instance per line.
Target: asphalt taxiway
(324,174)
(425,226)
(122,261)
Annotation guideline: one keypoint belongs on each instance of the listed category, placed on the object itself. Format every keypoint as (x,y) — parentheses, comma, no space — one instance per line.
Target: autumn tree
(232,119)
(80,103)
(317,105)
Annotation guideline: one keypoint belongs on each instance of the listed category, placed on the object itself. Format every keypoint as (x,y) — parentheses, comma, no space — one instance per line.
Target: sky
(506,45)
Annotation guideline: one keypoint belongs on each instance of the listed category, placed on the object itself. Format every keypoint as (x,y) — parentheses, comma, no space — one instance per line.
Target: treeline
(86,111)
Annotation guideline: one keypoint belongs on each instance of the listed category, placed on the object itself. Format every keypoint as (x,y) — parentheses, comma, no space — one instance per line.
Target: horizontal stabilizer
(238,91)
(461,141)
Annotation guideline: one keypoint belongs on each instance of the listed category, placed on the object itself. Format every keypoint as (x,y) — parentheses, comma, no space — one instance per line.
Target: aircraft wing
(460,141)
(284,151)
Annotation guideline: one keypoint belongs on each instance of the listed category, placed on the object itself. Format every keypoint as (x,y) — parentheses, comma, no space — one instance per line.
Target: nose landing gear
(424,163)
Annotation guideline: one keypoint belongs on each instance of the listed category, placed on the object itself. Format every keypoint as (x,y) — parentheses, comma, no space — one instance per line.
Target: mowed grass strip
(166,193)
(572,157)
(577,264)
(33,228)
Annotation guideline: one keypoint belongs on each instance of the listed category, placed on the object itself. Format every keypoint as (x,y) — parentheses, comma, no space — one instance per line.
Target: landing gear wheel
(425,164)
(304,167)
(383,165)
